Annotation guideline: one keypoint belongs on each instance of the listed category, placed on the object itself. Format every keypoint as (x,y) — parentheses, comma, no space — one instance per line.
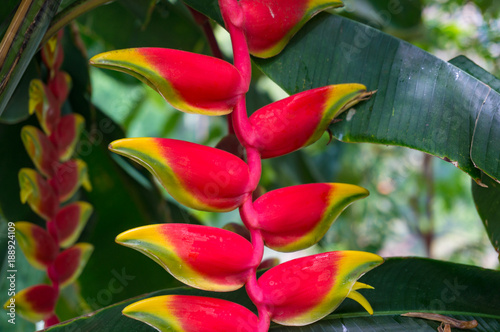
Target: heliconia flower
(68,178)
(66,135)
(40,149)
(70,221)
(37,245)
(60,85)
(203,257)
(52,52)
(197,176)
(304,290)
(269,25)
(190,82)
(69,264)
(301,119)
(295,218)
(187,313)
(44,104)
(34,303)
(38,193)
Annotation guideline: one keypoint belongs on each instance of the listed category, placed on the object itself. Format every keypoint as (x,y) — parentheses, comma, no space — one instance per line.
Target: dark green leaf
(21,42)
(401,285)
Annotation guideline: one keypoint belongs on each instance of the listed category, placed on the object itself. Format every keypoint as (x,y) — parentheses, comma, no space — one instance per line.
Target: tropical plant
(326,65)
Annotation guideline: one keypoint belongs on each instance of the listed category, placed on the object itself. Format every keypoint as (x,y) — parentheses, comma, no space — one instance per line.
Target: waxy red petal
(68,178)
(34,303)
(37,244)
(184,313)
(66,135)
(297,217)
(197,176)
(269,25)
(40,149)
(301,119)
(60,85)
(38,193)
(304,290)
(70,221)
(44,104)
(69,264)
(190,82)
(203,257)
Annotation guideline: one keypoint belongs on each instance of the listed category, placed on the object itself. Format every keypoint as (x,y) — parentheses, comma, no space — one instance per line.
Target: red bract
(69,264)
(203,257)
(297,217)
(52,52)
(45,105)
(307,289)
(301,119)
(40,149)
(192,314)
(70,221)
(190,82)
(35,303)
(38,193)
(66,135)
(68,178)
(269,25)
(197,176)
(36,243)
(60,85)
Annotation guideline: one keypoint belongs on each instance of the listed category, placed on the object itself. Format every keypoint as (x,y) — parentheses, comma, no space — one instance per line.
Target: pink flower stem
(233,18)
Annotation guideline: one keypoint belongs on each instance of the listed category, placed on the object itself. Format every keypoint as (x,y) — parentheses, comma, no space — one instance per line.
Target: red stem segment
(233,17)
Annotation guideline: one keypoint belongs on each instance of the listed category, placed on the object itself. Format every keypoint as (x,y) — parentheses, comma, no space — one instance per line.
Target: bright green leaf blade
(401,285)
(21,41)
(422,102)
(487,199)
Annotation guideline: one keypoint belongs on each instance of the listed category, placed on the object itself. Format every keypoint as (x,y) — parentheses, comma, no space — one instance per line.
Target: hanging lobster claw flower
(69,264)
(295,218)
(269,25)
(68,178)
(44,104)
(202,257)
(301,119)
(197,176)
(52,52)
(186,313)
(66,135)
(70,221)
(37,245)
(304,290)
(60,85)
(40,149)
(34,303)
(190,82)
(38,193)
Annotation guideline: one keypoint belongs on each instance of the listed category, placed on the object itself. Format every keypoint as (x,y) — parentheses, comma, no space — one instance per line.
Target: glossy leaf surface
(35,303)
(197,176)
(37,193)
(190,82)
(40,149)
(70,263)
(304,290)
(183,313)
(295,218)
(203,257)
(269,25)
(401,285)
(301,119)
(70,221)
(36,243)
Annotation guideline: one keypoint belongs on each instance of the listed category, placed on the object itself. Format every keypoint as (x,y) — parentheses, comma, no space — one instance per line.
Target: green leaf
(401,285)
(20,43)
